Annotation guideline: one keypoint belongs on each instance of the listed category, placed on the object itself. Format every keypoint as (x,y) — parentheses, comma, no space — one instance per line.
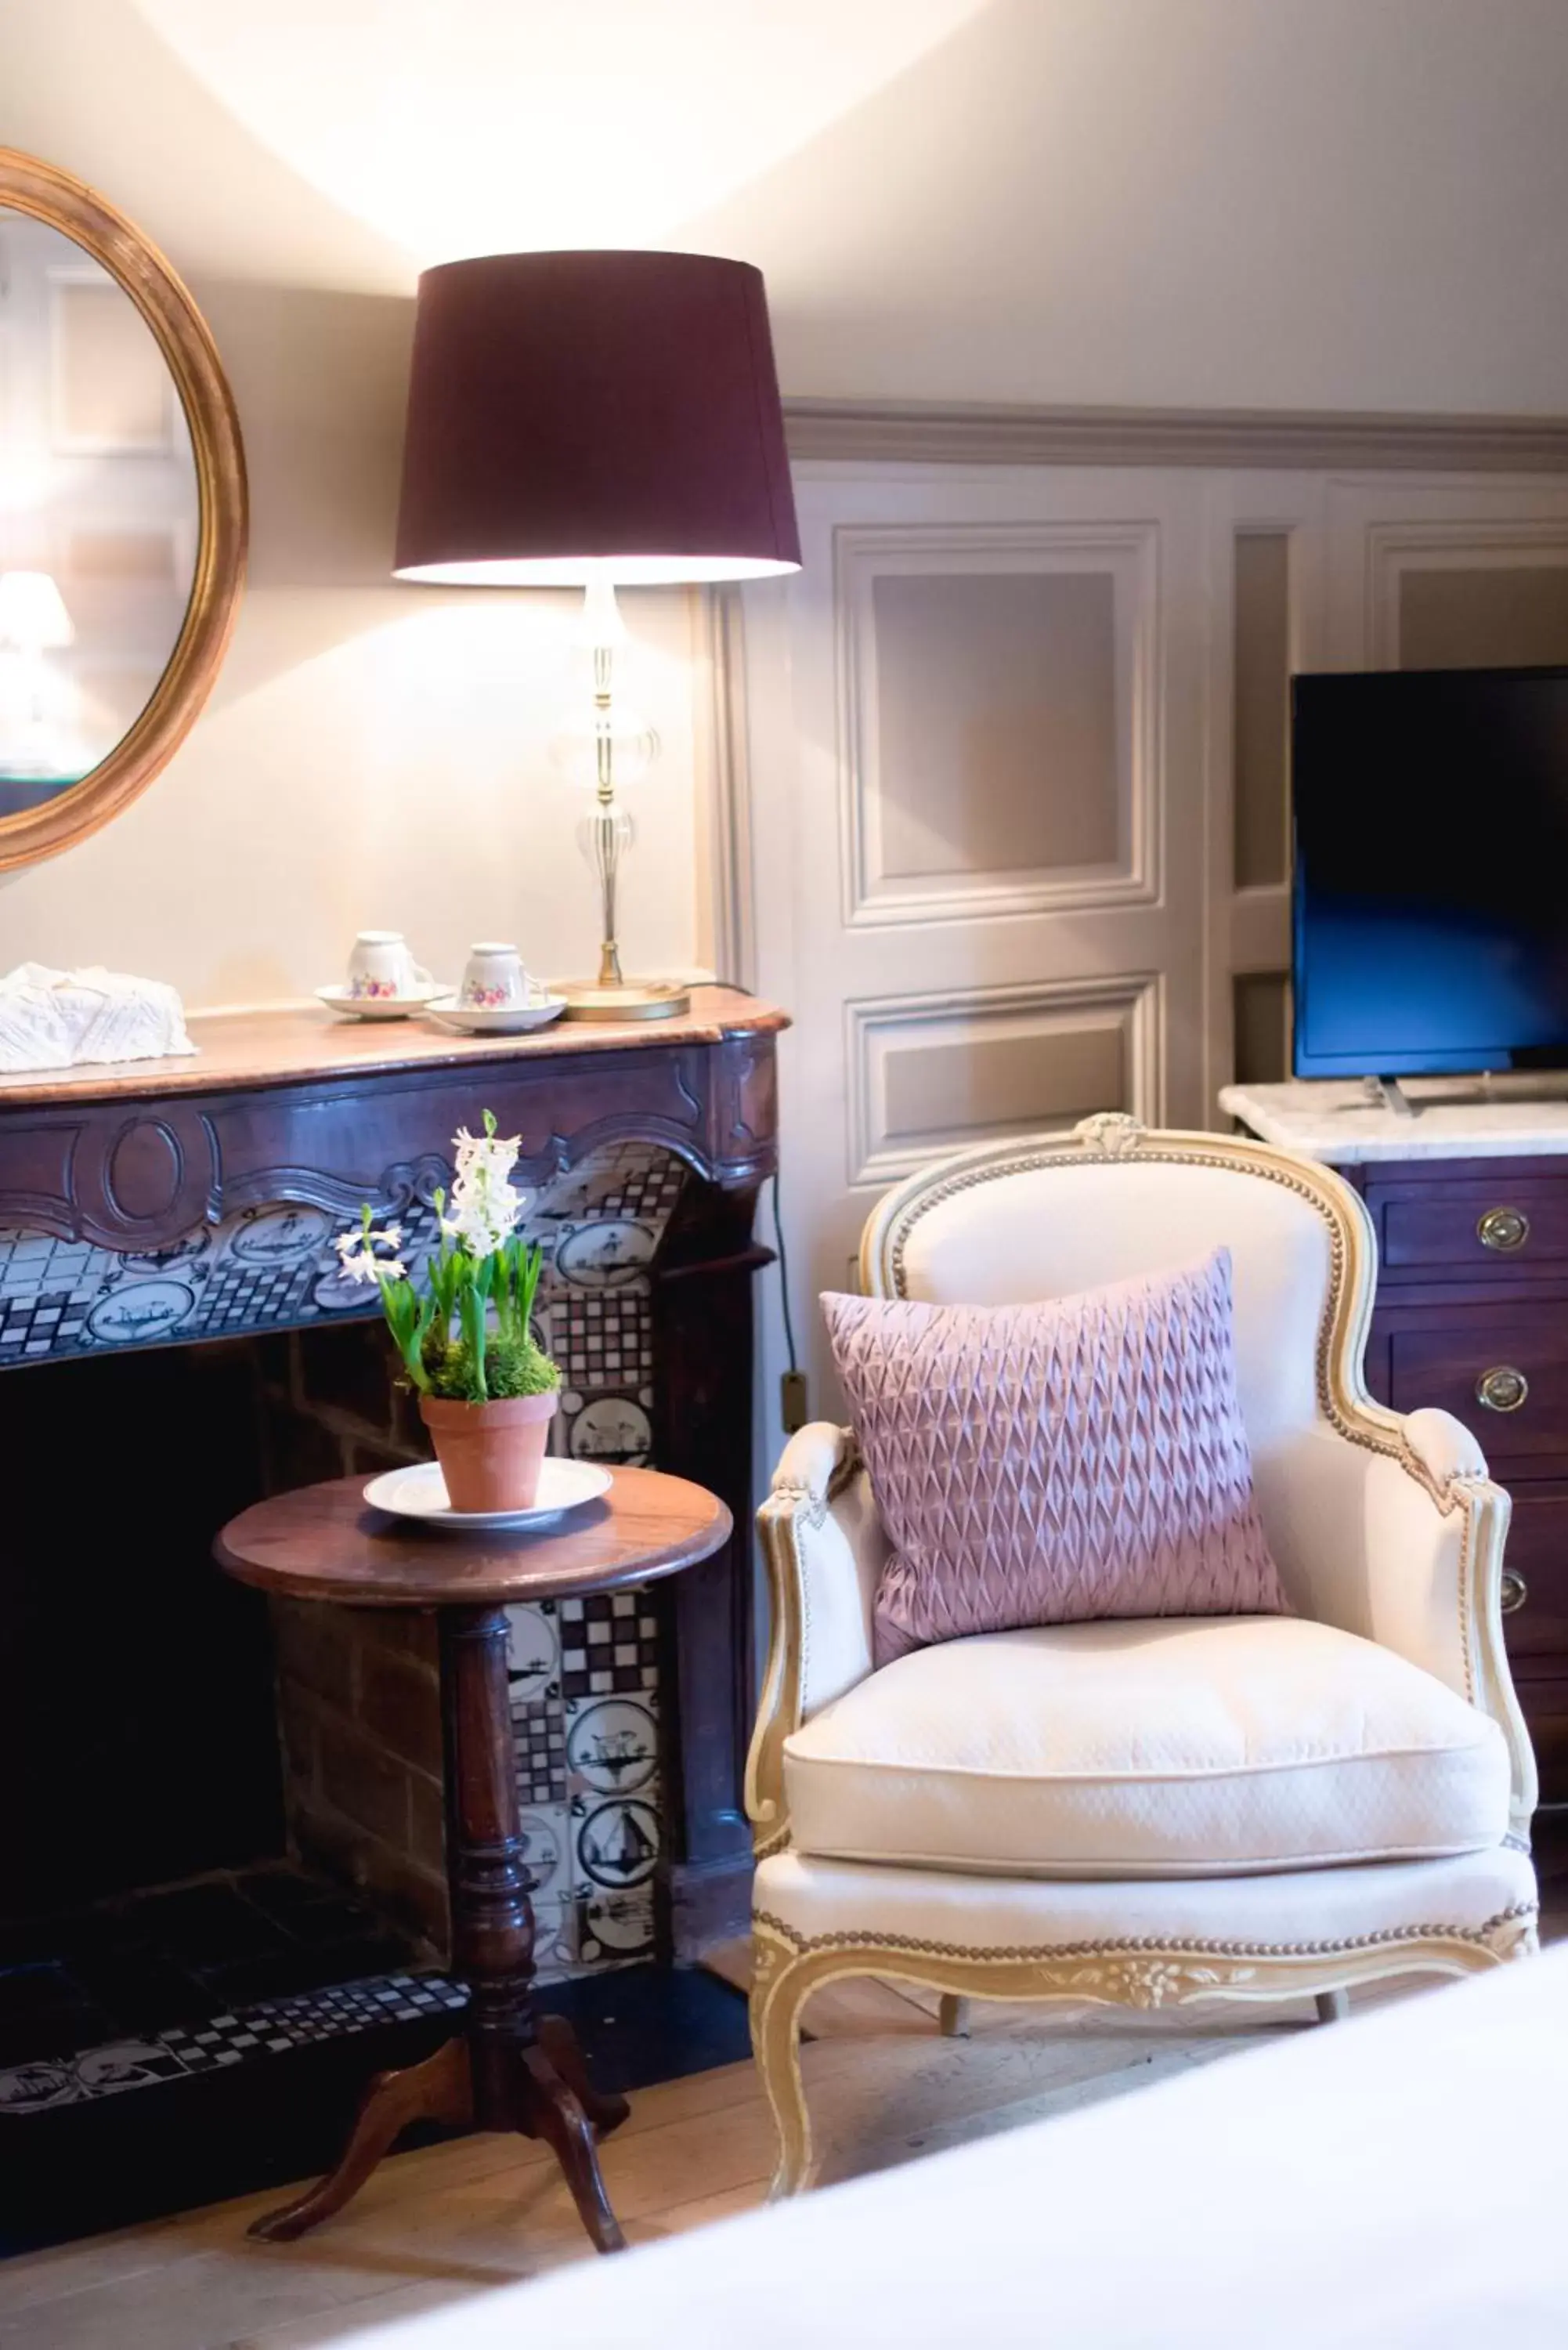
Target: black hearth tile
(207,1925)
(376,1953)
(346,1921)
(29,1941)
(279,1973)
(309,1908)
(26,1990)
(108,1930)
(108,2161)
(53,2031)
(281,1891)
(648,2023)
(144,1991)
(49,1940)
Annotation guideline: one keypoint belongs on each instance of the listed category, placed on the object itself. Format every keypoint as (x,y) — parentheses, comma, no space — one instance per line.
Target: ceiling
(454,127)
(1305,203)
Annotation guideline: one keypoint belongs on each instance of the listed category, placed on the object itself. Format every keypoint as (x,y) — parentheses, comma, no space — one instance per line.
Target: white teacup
(496,978)
(382,967)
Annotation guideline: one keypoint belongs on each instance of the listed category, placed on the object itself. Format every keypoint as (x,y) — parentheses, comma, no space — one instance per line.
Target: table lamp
(596,420)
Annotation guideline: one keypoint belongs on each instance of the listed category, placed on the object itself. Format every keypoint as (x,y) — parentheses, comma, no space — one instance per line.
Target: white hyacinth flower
(358,1260)
(360,1265)
(485,1209)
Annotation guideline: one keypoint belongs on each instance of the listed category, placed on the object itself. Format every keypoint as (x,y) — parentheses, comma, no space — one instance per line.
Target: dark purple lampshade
(582,414)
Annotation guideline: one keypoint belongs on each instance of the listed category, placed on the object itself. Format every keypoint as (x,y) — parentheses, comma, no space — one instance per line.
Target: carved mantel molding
(289,1106)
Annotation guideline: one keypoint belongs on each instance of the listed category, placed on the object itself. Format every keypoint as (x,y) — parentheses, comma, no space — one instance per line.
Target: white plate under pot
(420,1492)
(497,1019)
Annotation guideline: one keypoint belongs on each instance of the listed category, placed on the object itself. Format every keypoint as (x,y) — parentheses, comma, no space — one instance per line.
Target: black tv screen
(1430,897)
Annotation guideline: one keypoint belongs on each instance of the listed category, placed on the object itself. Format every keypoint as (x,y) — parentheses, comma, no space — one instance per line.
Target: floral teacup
(381,968)
(494,978)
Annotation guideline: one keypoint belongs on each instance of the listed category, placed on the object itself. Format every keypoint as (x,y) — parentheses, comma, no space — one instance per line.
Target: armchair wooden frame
(817,1483)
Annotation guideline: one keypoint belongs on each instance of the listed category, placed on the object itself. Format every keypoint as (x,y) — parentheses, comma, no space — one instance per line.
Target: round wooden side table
(510,2069)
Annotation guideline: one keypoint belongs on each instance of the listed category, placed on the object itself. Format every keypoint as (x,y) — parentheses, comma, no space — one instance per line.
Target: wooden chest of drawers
(1472,1314)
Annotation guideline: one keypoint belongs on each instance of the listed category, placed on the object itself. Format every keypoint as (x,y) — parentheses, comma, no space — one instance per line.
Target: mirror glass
(99,513)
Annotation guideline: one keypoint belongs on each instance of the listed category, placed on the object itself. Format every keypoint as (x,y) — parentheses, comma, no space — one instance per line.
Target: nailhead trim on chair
(803,1943)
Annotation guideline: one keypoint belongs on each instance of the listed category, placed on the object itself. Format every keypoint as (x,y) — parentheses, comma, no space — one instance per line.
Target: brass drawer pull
(1503,1229)
(1502,1389)
(1515,1591)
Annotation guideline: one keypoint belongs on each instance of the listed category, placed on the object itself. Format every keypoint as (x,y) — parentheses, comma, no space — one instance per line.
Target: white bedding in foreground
(1396,2182)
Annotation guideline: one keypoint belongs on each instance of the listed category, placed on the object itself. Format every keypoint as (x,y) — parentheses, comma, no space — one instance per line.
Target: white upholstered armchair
(1148,1812)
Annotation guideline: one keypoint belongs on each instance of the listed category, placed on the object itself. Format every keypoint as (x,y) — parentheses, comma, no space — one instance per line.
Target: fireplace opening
(222,1880)
(136,1682)
(149,1883)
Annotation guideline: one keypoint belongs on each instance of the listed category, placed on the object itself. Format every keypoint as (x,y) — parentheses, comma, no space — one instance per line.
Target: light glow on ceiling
(458,127)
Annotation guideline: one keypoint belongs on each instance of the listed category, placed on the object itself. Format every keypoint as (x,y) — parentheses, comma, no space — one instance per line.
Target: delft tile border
(272,2027)
(588,1777)
(274,1268)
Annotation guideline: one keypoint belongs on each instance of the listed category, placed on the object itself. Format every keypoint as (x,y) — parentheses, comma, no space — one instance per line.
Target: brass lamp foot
(651,999)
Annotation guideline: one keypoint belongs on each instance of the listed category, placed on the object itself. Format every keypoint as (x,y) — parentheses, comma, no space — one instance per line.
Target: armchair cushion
(1209,1746)
(1045,1463)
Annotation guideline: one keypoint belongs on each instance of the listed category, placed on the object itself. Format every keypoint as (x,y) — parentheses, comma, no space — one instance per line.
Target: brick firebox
(358,1690)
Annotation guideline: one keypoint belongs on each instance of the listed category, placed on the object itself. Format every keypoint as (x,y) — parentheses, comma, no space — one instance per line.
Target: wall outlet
(793,1408)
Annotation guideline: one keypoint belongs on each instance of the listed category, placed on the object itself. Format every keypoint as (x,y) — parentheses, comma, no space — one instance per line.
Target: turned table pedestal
(510,2069)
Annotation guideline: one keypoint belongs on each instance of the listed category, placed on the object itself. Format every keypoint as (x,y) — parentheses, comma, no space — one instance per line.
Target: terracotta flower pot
(491,1454)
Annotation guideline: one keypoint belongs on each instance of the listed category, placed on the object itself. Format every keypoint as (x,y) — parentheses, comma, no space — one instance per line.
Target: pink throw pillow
(1047,1463)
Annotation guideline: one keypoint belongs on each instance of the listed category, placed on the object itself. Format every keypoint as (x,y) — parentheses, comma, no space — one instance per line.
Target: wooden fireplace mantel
(292,1107)
(280,1043)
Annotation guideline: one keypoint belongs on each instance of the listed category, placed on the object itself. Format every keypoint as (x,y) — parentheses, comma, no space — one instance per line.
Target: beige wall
(1337,203)
(373,753)
(1236,203)
(1271,204)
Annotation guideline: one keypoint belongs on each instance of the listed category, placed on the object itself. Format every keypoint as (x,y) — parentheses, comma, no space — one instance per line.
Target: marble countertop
(1453,1117)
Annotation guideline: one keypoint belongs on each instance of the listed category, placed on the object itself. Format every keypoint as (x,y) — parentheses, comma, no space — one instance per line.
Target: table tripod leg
(439,2090)
(559,2043)
(527,2073)
(550,2110)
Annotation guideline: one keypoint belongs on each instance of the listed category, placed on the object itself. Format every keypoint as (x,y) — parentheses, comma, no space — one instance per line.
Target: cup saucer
(496,1019)
(341,999)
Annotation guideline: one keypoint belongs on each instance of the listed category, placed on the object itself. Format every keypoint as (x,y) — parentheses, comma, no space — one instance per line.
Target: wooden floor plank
(863,2003)
(446,2222)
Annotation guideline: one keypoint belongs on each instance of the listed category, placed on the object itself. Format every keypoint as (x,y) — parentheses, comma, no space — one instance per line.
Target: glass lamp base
(635,999)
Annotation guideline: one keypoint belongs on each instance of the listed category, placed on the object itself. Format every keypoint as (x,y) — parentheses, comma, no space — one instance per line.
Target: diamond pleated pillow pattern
(1047,1463)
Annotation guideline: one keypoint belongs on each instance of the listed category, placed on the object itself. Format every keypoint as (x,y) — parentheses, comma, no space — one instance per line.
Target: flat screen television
(1430,890)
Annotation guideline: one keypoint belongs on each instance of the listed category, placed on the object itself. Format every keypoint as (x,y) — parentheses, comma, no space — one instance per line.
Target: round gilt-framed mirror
(122,511)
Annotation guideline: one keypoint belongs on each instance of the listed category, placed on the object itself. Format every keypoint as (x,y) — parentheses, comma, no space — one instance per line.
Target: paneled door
(974,728)
(1448,575)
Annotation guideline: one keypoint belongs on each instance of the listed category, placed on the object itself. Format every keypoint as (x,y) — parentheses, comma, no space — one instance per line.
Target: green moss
(511,1368)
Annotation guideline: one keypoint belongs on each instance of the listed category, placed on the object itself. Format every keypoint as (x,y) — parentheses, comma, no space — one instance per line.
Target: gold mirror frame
(26,185)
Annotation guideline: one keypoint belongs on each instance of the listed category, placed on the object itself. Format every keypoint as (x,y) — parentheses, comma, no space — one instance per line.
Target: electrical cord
(784,1281)
(780,1252)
